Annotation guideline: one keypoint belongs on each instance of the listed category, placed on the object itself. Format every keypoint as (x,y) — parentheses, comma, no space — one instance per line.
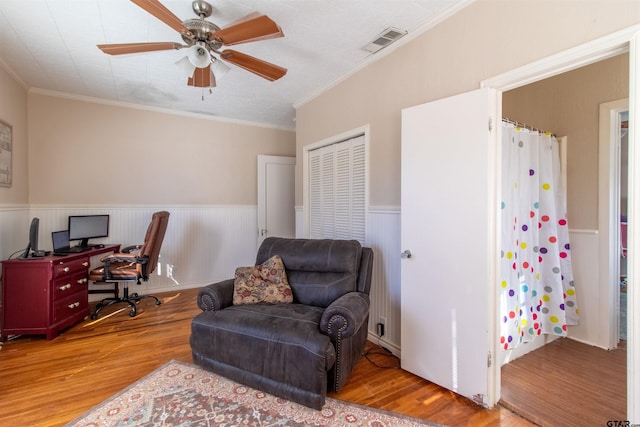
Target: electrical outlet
(382,324)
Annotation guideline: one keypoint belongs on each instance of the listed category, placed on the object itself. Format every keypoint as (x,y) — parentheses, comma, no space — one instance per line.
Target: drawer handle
(86,264)
(65,287)
(66,269)
(81,281)
(74,305)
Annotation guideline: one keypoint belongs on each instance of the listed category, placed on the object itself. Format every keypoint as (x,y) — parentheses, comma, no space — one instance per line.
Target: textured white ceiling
(51,45)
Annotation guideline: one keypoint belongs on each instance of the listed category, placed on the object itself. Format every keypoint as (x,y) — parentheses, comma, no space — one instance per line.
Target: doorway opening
(551,104)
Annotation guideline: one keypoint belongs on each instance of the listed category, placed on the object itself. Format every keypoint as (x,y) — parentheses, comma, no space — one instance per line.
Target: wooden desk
(46,295)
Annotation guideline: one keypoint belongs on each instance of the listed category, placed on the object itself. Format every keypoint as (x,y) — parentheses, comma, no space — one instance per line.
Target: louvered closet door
(337,190)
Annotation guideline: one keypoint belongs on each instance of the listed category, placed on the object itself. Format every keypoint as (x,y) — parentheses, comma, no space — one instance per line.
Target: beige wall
(568,105)
(486,39)
(13,111)
(85,153)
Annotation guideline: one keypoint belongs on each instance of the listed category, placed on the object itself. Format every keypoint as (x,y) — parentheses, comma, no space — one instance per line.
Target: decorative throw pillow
(266,283)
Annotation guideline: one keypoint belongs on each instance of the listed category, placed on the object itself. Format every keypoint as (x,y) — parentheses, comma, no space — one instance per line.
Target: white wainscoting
(203,244)
(14,230)
(383,236)
(590,293)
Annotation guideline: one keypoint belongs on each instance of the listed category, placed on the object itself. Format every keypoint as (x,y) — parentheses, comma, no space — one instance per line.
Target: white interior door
(449,179)
(276,197)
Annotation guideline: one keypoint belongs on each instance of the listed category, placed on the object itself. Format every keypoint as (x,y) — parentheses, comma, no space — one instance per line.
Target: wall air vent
(384,39)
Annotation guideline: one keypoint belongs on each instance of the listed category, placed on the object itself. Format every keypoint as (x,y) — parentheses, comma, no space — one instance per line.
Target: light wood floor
(48,383)
(569,383)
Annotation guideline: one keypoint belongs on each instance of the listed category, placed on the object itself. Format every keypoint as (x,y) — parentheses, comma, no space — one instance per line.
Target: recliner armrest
(345,316)
(216,296)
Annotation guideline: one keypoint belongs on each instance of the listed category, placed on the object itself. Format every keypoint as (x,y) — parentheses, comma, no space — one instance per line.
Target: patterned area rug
(181,394)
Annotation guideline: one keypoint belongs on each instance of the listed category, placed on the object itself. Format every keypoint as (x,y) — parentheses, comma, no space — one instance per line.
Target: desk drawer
(70,306)
(66,267)
(69,284)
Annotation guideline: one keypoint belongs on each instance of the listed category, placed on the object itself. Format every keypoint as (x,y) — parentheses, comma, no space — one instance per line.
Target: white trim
(13,75)
(361,130)
(129,207)
(579,56)
(384,209)
(14,207)
(608,215)
(112,103)
(394,349)
(588,53)
(583,231)
(633,237)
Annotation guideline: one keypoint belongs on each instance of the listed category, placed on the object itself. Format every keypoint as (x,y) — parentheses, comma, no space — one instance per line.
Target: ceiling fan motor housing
(202,32)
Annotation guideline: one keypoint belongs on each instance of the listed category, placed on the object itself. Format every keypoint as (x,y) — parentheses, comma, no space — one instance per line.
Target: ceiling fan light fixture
(219,68)
(186,66)
(199,56)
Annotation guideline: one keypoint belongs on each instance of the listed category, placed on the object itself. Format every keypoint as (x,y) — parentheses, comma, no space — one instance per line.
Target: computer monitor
(85,227)
(32,246)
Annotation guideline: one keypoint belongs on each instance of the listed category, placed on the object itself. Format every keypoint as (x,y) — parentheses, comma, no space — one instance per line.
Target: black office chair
(133,263)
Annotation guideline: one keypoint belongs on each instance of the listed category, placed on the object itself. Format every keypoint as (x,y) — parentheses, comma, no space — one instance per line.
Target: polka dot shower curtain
(537,290)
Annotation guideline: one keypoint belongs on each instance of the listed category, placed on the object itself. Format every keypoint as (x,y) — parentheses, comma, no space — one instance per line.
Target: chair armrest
(345,316)
(122,257)
(125,258)
(216,296)
(126,254)
(130,249)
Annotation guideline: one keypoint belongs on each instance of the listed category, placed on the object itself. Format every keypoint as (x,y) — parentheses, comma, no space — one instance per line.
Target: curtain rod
(525,126)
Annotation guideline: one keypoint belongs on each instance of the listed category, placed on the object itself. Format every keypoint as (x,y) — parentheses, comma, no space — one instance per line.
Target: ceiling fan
(204,39)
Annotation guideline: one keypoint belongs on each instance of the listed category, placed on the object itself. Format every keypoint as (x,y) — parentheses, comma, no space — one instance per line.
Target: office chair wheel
(132,313)
(158,302)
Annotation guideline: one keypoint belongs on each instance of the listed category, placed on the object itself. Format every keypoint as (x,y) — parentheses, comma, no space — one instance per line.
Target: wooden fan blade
(157,9)
(250,28)
(125,48)
(257,66)
(202,77)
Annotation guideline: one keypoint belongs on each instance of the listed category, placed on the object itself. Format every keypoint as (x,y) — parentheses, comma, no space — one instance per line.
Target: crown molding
(112,103)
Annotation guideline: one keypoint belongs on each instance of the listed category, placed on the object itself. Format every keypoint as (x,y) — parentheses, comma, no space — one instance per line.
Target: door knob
(406,254)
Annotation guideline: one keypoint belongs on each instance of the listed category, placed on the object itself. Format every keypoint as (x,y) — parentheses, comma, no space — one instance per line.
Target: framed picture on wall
(6,154)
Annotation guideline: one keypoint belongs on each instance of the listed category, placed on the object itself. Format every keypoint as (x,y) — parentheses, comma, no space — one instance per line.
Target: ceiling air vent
(384,39)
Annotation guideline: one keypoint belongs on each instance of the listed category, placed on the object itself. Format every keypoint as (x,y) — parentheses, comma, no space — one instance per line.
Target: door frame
(623,41)
(609,215)
(263,185)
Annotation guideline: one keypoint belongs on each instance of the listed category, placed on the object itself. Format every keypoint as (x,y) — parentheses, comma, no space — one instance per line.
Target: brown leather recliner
(295,351)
